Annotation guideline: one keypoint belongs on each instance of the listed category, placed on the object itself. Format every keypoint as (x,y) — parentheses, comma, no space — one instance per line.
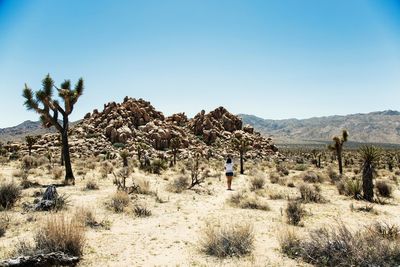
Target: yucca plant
(370,157)
(49,109)
(337,146)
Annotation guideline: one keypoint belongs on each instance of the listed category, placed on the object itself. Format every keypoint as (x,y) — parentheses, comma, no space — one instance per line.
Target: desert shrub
(119,145)
(143,186)
(228,240)
(10,193)
(91,185)
(276,195)
(257,181)
(4,223)
(119,201)
(57,173)
(386,230)
(340,247)
(157,166)
(87,218)
(365,208)
(300,167)
(274,177)
(310,193)
(294,212)
(59,233)
(28,162)
(333,175)
(350,187)
(282,169)
(179,184)
(141,211)
(106,168)
(384,189)
(312,177)
(244,200)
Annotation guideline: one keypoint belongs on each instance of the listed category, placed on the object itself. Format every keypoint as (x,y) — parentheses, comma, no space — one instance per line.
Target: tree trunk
(368,185)
(69,176)
(62,156)
(339,158)
(241,164)
(174,158)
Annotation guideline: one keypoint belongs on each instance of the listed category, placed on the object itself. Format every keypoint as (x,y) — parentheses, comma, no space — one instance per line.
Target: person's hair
(229,160)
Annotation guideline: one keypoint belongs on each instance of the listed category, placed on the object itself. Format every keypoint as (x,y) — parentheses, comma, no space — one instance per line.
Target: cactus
(370,156)
(49,109)
(337,146)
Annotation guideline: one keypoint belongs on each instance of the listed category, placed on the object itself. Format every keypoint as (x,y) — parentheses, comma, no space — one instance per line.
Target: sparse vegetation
(311,194)
(341,247)
(10,193)
(294,212)
(228,240)
(119,201)
(60,233)
(384,189)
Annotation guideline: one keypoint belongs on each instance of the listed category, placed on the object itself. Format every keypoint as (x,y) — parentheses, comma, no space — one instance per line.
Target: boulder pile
(136,123)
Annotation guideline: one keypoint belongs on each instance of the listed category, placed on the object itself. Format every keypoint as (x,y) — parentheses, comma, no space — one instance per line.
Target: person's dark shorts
(229,174)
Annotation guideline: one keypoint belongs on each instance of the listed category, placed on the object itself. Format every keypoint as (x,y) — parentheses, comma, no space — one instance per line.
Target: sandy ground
(171,235)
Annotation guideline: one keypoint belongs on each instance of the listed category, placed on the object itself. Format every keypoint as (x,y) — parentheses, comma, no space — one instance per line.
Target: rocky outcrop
(135,122)
(212,125)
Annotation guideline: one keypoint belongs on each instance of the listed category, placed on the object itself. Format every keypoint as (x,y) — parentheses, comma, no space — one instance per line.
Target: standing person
(229,172)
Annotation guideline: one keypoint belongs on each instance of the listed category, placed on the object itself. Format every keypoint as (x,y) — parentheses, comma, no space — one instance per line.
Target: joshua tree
(175,145)
(140,148)
(337,146)
(30,141)
(370,157)
(124,155)
(49,109)
(241,144)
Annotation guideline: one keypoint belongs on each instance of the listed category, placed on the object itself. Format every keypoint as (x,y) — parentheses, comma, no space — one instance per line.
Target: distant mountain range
(374,127)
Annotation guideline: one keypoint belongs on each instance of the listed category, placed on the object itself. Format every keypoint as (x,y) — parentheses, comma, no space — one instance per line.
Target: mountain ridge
(372,127)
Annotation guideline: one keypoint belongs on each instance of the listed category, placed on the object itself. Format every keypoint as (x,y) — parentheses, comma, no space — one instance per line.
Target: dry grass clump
(141,211)
(294,212)
(59,233)
(178,184)
(10,193)
(91,185)
(333,175)
(57,173)
(377,245)
(350,187)
(4,223)
(257,181)
(282,169)
(106,169)
(384,189)
(310,193)
(312,177)
(87,218)
(228,240)
(143,186)
(245,200)
(274,177)
(364,208)
(119,201)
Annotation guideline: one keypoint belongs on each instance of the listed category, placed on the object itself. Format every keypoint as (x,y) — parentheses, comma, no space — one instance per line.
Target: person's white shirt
(229,167)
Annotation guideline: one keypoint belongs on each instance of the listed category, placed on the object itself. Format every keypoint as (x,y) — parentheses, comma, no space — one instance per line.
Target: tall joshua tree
(337,146)
(241,144)
(49,109)
(370,157)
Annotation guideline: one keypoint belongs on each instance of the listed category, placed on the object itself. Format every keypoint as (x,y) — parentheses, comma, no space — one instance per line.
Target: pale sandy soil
(170,237)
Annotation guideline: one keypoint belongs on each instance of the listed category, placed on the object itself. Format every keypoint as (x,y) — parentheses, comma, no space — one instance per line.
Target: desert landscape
(200,133)
(150,190)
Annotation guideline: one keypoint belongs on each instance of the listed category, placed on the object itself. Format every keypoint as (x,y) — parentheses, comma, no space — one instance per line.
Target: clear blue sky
(275,59)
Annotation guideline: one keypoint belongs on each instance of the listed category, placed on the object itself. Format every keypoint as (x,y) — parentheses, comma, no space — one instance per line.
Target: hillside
(374,127)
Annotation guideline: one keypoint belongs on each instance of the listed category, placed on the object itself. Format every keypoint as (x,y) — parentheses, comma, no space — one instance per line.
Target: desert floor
(171,235)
